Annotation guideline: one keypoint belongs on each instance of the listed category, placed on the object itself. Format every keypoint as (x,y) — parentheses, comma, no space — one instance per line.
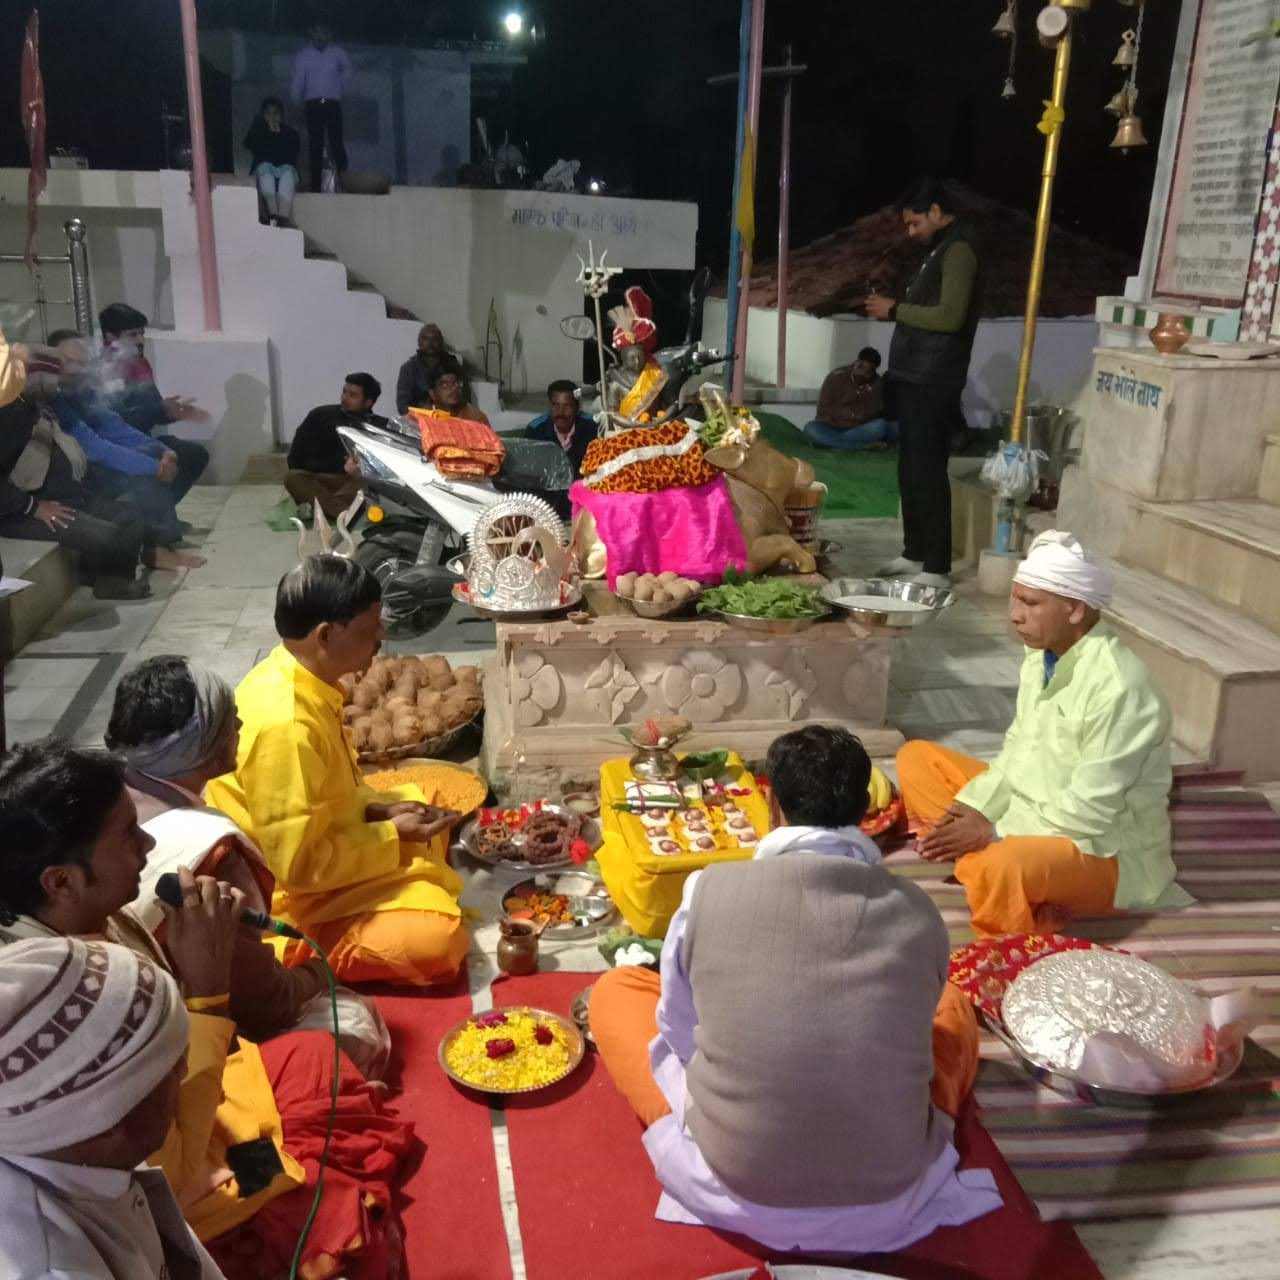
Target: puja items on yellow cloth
(647,459)
(460,449)
(646,857)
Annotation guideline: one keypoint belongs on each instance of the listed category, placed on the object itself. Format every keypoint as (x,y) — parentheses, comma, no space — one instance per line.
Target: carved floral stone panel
(702,684)
(795,683)
(535,688)
(612,686)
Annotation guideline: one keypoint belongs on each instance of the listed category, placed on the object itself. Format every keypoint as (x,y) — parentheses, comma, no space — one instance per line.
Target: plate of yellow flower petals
(518,1050)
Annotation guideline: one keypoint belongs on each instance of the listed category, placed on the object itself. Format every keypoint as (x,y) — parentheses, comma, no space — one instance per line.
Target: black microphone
(169,891)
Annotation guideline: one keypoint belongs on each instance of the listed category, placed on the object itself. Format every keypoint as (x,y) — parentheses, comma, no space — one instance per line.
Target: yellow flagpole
(1051,127)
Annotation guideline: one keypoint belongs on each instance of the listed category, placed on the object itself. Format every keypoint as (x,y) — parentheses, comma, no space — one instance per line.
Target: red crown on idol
(633,324)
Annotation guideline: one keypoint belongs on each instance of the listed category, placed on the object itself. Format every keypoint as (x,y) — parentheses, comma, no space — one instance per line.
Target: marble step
(1227,548)
(1269,476)
(1219,669)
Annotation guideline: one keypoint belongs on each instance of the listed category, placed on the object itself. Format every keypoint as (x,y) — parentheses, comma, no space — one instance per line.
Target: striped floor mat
(1216,1151)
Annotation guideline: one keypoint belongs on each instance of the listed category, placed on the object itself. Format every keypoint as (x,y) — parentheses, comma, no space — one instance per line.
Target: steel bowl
(647,609)
(594,910)
(577,1050)
(769,626)
(929,601)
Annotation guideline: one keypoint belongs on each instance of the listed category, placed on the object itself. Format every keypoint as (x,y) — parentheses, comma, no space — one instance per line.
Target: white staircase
(1198,598)
(320,320)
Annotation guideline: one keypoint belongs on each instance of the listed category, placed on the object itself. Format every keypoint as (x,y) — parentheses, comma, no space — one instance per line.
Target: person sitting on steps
(321,471)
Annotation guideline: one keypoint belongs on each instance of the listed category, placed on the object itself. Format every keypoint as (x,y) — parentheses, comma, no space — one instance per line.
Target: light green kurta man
(1088,757)
(1072,817)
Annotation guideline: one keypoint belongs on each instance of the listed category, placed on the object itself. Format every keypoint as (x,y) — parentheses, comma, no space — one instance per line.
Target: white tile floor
(954,681)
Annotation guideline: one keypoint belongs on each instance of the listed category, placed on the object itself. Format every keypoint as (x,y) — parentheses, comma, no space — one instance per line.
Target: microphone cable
(296,1264)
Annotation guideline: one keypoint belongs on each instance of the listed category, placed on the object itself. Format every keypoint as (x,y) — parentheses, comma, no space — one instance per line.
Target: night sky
(895,88)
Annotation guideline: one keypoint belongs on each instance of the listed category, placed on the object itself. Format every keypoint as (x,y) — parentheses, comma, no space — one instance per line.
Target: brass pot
(1170,334)
(655,764)
(518,947)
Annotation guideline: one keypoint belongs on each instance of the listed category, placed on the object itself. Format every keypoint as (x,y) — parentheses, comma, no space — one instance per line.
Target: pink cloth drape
(692,532)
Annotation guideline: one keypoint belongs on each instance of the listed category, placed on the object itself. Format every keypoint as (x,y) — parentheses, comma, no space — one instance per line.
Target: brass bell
(1122,102)
(1126,54)
(1008,91)
(1004,27)
(1129,133)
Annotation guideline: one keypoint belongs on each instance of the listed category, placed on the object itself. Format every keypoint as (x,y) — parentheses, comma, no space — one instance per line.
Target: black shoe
(185,526)
(108,588)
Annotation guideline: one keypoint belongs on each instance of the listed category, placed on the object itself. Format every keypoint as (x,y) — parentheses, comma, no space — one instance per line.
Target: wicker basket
(429,749)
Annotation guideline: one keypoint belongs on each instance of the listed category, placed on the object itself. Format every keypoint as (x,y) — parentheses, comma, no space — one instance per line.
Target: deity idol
(634,387)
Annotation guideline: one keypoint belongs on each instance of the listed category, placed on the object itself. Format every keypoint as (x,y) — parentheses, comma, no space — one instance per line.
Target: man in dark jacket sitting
(320,469)
(43,496)
(413,386)
(564,425)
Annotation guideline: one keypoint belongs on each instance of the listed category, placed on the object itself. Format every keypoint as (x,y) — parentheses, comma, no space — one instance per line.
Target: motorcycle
(417,520)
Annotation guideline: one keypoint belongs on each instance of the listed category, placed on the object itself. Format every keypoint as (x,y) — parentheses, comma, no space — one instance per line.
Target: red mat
(587,1193)
(451,1208)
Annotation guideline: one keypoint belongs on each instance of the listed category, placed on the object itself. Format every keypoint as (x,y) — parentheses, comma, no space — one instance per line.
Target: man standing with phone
(937,318)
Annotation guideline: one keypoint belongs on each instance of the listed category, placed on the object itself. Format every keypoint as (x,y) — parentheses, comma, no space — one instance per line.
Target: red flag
(33,124)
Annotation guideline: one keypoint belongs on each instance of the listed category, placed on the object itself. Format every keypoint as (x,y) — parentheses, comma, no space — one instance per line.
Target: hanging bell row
(1127,53)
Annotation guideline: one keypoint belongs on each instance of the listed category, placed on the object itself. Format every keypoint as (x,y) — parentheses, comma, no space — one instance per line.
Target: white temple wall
(815,346)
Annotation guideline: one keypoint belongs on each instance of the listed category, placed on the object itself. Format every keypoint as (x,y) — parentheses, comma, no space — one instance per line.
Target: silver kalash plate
(1057,1005)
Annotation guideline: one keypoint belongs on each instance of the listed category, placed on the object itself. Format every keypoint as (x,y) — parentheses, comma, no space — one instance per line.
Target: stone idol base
(559,691)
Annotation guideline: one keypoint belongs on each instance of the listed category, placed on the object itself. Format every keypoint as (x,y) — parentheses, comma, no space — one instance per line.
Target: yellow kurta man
(1073,814)
(362,872)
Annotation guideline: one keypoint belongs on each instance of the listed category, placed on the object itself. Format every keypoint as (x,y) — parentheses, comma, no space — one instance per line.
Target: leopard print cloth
(646,460)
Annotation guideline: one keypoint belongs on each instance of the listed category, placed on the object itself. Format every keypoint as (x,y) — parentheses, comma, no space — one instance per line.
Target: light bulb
(514,23)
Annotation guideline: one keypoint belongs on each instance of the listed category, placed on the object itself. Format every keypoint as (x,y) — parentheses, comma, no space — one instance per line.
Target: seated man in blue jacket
(564,425)
(128,385)
(124,463)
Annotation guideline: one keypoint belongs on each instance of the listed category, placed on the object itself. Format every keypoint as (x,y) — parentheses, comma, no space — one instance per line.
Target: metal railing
(76,261)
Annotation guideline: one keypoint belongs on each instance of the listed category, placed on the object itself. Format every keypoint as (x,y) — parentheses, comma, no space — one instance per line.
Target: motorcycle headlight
(370,465)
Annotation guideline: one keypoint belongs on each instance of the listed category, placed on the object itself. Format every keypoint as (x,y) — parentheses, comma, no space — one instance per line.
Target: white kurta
(68,1222)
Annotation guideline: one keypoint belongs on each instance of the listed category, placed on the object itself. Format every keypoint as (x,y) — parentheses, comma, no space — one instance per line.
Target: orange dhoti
(412,948)
(1021,884)
(624,1005)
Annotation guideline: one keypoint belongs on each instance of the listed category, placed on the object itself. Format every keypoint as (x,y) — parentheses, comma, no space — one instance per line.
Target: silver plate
(935,599)
(598,909)
(767,626)
(573,597)
(589,831)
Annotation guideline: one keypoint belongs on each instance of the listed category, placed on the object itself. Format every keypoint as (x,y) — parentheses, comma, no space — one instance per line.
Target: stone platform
(558,691)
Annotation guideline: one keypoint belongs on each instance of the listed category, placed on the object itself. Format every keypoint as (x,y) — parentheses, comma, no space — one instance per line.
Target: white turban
(192,744)
(1057,563)
(88,1030)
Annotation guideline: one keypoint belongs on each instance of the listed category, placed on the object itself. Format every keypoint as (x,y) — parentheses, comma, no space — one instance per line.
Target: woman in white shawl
(174,722)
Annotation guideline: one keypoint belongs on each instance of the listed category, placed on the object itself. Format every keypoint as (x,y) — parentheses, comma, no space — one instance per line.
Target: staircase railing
(76,262)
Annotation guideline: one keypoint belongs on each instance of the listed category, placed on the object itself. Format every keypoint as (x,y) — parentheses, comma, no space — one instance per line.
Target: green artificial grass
(860,485)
